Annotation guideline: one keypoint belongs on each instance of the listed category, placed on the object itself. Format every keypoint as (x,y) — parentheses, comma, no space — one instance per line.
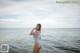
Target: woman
(36,34)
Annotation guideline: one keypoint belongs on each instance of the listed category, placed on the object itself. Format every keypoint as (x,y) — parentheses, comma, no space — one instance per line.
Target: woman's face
(37,26)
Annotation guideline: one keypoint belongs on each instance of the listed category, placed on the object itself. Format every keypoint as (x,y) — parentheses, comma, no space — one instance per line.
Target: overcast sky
(27,13)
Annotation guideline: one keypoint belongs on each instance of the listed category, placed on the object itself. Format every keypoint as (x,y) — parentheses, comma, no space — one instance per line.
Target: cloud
(27,13)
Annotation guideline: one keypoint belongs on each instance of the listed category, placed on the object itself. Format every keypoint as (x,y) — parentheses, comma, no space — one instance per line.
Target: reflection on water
(53,40)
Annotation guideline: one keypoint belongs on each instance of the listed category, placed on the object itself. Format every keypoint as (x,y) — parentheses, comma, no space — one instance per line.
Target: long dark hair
(39,28)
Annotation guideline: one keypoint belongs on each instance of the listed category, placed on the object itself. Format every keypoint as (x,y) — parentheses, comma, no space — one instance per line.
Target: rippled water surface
(53,40)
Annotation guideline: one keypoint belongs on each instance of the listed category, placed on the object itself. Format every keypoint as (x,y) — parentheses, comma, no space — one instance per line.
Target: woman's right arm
(32,33)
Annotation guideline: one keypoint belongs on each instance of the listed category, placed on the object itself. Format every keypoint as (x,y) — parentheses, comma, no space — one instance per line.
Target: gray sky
(27,13)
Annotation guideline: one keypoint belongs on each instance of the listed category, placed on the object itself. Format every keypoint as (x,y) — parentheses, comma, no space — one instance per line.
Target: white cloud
(46,12)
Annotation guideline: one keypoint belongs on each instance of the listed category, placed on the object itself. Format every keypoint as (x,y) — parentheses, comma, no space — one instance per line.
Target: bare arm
(32,33)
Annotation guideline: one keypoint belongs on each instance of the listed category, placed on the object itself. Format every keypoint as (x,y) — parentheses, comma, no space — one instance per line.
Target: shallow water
(53,40)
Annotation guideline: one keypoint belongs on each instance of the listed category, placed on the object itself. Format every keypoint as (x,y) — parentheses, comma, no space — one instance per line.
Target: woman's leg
(35,49)
(39,49)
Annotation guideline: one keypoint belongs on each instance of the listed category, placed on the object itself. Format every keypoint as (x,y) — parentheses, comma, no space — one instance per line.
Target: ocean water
(53,40)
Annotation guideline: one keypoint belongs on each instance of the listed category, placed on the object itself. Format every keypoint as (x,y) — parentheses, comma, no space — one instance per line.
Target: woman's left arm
(32,33)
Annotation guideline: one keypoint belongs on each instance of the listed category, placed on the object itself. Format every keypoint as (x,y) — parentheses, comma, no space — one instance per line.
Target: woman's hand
(32,33)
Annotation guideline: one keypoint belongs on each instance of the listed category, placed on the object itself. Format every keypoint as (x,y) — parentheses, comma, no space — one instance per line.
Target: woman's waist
(37,40)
